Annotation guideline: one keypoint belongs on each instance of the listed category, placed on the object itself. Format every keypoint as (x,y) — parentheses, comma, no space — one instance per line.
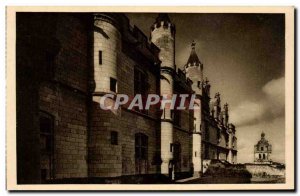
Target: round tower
(107,43)
(163,36)
(105,49)
(194,71)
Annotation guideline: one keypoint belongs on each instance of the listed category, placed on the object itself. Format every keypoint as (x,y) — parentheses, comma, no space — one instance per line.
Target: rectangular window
(100,57)
(261,148)
(113,85)
(114,138)
(140,82)
(141,146)
(141,86)
(46,122)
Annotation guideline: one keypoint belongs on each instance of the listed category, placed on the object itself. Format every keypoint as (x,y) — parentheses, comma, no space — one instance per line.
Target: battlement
(163,21)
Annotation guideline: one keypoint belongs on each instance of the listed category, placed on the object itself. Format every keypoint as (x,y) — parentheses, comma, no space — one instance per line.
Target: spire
(226,107)
(193,45)
(193,59)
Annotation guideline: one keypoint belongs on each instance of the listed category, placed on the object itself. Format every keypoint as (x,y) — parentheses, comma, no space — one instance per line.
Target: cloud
(271,105)
(267,115)
(249,135)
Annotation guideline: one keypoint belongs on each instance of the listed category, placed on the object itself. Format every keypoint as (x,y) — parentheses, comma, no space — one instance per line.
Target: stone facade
(88,56)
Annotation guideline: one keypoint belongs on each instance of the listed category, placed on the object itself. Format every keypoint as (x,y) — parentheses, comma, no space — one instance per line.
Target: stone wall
(184,138)
(65,98)
(113,160)
(70,129)
(265,169)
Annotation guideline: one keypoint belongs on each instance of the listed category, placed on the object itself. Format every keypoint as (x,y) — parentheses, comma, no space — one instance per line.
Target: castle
(67,61)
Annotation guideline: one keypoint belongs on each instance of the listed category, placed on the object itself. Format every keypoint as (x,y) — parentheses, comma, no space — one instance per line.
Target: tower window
(100,57)
(113,85)
(262,148)
(114,138)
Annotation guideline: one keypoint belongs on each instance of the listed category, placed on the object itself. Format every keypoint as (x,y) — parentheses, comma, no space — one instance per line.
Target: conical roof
(193,58)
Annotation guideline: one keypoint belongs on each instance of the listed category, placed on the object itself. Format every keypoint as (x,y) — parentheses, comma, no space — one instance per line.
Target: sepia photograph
(163,98)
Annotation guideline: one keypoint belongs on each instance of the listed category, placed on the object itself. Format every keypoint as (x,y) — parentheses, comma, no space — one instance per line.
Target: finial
(206,80)
(226,106)
(262,134)
(193,44)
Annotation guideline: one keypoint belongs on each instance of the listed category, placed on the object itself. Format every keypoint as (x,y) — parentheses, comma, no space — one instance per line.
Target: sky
(243,57)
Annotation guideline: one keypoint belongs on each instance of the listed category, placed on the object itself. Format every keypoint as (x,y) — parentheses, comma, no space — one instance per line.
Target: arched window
(264,156)
(262,148)
(259,155)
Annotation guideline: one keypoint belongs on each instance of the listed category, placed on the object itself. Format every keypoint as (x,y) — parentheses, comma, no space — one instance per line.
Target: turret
(107,39)
(225,114)
(206,87)
(194,70)
(105,49)
(231,131)
(217,106)
(163,36)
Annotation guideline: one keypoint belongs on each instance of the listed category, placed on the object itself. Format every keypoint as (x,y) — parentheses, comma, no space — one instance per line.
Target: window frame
(141,146)
(141,86)
(49,135)
(100,55)
(113,84)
